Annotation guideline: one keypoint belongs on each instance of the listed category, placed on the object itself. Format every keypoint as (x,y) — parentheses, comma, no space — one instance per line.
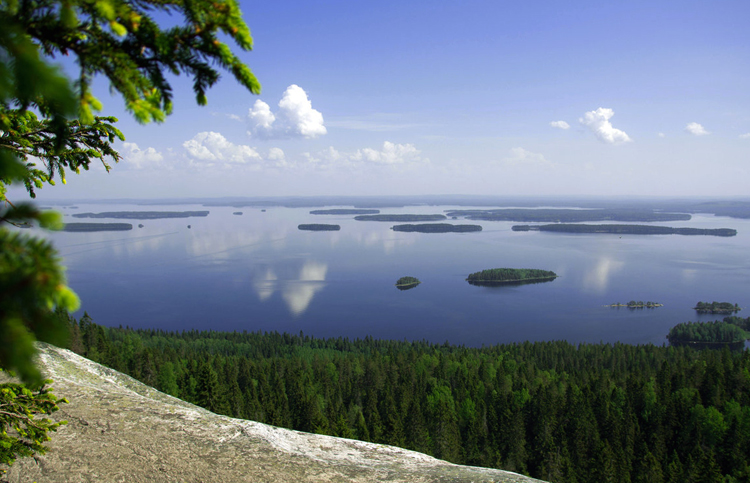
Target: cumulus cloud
(745,136)
(294,118)
(212,149)
(696,129)
(390,154)
(662,135)
(598,122)
(138,158)
(523,157)
(560,124)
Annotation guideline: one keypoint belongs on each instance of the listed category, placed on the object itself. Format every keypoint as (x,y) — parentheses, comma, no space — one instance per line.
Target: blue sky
(417,97)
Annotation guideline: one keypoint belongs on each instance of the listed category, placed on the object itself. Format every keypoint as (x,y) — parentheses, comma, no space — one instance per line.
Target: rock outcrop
(120,430)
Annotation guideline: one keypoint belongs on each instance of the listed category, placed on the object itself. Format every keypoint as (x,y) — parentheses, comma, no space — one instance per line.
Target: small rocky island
(406,283)
(437,228)
(501,276)
(716,308)
(90,227)
(625,229)
(318,227)
(637,305)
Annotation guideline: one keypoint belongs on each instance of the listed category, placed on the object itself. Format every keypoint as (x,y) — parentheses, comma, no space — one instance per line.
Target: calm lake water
(257,271)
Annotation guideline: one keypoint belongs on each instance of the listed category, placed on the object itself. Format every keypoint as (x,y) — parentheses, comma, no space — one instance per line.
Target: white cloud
(523,157)
(138,158)
(662,135)
(212,147)
(560,124)
(745,136)
(390,154)
(294,118)
(696,129)
(598,122)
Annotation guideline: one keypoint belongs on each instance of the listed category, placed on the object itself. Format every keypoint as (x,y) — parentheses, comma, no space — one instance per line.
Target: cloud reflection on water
(297,293)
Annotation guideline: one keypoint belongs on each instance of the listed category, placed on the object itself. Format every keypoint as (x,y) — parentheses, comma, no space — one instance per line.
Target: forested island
(626,229)
(436,228)
(86,227)
(345,211)
(141,215)
(237,213)
(510,275)
(406,283)
(716,308)
(583,413)
(405,217)
(637,304)
(561,215)
(318,227)
(715,332)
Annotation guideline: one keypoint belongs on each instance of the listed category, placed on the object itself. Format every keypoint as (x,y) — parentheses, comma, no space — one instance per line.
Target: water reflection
(597,278)
(297,293)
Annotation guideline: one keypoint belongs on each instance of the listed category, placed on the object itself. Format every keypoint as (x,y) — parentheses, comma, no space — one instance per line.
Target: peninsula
(495,276)
(404,217)
(437,228)
(141,215)
(318,227)
(625,229)
(87,227)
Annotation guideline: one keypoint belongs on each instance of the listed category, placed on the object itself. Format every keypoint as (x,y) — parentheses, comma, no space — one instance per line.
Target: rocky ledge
(120,430)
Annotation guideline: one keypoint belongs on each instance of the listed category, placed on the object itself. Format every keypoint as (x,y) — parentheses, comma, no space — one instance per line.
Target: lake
(257,271)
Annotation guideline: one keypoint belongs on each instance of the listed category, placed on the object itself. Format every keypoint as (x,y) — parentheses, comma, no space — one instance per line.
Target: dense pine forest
(552,410)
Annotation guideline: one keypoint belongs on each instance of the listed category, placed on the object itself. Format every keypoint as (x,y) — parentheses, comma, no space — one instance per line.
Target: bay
(257,271)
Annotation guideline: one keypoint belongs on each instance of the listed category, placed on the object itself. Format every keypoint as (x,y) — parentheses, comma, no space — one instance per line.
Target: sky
(533,98)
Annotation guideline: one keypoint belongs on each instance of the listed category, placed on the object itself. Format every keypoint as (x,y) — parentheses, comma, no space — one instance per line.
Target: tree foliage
(48,128)
(552,410)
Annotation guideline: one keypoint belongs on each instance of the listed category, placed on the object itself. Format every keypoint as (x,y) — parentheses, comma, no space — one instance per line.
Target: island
(237,213)
(637,305)
(716,308)
(404,217)
(142,215)
(437,228)
(515,276)
(89,227)
(562,215)
(406,283)
(625,229)
(345,211)
(706,334)
(318,227)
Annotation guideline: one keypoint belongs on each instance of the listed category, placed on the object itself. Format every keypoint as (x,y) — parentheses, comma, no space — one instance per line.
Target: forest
(552,410)
(561,215)
(437,228)
(345,211)
(627,229)
(500,275)
(407,282)
(142,215)
(318,227)
(400,217)
(89,227)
